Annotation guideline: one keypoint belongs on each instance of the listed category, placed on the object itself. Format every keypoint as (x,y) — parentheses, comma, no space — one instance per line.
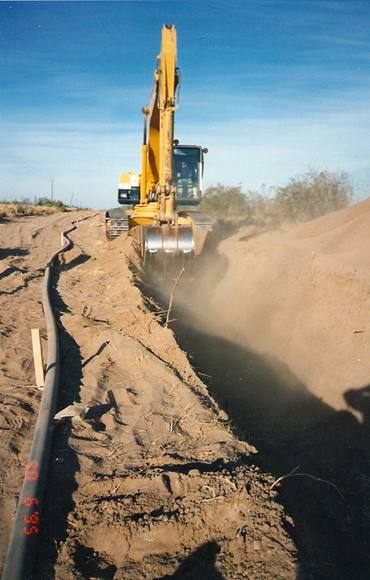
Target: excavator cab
(187,173)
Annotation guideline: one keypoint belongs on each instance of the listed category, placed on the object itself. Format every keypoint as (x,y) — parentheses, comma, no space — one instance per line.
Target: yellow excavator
(157,201)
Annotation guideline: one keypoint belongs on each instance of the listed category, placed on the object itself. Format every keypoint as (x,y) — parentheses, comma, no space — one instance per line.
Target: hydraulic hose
(19,562)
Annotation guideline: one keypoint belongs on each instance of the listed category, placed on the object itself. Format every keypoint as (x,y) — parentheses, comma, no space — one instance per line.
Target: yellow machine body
(153,195)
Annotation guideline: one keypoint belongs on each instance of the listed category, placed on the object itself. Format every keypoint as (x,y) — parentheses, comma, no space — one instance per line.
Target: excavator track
(116,223)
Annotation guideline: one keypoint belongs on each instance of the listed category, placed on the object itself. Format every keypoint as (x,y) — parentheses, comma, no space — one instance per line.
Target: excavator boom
(171,175)
(161,112)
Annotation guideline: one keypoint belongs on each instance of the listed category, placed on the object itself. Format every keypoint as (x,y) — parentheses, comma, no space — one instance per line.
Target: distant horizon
(270,87)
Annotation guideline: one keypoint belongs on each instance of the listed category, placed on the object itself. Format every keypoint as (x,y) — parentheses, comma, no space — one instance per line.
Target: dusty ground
(282,330)
(153,483)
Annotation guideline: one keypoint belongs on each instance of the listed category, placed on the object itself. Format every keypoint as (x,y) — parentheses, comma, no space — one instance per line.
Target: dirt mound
(152,483)
(301,296)
(281,334)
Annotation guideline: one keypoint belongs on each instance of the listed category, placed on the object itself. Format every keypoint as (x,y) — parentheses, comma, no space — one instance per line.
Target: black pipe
(22,547)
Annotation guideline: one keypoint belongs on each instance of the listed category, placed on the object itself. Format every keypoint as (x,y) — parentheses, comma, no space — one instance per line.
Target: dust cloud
(278,327)
(275,327)
(299,296)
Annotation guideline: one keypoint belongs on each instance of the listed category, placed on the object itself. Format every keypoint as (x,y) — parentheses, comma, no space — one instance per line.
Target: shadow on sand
(7,252)
(328,495)
(199,565)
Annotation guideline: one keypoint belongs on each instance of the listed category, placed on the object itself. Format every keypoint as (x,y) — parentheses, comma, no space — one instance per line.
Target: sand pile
(303,296)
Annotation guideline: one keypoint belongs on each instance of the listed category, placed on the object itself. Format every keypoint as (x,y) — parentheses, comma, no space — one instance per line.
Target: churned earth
(152,483)
(246,457)
(282,320)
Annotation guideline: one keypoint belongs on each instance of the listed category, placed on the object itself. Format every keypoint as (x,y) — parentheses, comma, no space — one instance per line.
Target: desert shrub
(10,210)
(22,208)
(306,197)
(60,205)
(230,204)
(223,201)
(311,195)
(46,202)
(261,205)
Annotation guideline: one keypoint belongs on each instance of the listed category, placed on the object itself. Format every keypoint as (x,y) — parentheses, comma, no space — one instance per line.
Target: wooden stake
(37,357)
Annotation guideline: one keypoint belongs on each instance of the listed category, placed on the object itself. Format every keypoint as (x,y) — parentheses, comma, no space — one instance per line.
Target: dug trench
(324,453)
(313,434)
(153,482)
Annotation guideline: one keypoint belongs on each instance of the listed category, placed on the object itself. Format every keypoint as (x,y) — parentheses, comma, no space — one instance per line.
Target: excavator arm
(157,149)
(170,174)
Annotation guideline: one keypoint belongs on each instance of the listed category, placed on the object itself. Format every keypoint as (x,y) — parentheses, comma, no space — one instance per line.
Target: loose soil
(152,483)
(162,479)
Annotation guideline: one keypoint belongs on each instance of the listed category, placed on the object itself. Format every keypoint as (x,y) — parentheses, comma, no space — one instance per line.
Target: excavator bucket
(167,239)
(166,249)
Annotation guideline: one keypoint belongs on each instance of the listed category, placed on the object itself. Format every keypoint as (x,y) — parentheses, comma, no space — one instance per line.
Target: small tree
(316,193)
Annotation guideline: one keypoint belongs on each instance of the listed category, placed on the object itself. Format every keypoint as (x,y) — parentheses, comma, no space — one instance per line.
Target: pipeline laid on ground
(19,562)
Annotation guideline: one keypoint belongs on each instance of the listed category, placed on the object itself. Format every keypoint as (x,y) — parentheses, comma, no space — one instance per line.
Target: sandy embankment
(303,296)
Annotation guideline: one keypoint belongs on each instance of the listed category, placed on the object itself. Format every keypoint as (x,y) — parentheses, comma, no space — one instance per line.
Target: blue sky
(270,87)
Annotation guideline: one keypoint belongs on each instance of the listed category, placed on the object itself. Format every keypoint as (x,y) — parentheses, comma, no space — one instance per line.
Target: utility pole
(52,185)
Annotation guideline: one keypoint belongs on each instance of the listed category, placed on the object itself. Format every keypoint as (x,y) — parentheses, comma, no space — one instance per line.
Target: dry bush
(306,197)
(312,195)
(10,210)
(231,209)
(220,202)
(46,202)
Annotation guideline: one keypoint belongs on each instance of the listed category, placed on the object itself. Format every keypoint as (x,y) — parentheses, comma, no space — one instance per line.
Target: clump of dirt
(152,483)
